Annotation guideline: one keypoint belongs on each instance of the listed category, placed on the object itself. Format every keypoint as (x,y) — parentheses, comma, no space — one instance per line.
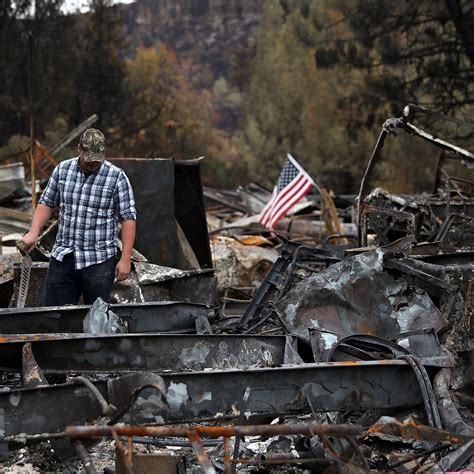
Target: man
(92,196)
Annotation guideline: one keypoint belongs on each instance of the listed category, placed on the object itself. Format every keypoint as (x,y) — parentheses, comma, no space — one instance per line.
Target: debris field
(323,346)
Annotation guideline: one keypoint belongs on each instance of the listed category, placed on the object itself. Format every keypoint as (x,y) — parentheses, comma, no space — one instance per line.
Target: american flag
(293,184)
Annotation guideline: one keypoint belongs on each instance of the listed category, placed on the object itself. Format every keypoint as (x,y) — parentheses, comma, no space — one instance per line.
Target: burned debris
(308,349)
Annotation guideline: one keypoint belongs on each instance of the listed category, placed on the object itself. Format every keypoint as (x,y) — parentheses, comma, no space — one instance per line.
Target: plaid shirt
(90,207)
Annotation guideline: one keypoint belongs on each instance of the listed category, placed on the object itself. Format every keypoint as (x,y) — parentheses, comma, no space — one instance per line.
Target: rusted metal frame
(390,126)
(456,150)
(195,434)
(278,280)
(227,455)
(443,232)
(330,387)
(140,317)
(274,279)
(135,352)
(396,214)
(307,429)
(225,300)
(361,223)
(331,450)
(400,212)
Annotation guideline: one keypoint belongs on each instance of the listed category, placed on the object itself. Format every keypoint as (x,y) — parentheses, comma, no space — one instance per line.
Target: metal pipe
(81,451)
(361,231)
(309,429)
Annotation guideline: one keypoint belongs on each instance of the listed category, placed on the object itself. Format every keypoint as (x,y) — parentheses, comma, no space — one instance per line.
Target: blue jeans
(65,284)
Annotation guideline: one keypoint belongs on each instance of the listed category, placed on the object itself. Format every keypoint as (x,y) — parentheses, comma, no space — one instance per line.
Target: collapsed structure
(352,353)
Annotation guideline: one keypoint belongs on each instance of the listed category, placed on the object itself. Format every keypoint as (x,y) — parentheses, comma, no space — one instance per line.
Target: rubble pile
(347,353)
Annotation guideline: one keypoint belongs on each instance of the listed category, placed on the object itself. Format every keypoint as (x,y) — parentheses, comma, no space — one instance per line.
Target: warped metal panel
(212,395)
(140,317)
(131,353)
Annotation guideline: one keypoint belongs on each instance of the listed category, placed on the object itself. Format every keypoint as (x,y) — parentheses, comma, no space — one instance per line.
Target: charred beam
(141,352)
(211,395)
(140,317)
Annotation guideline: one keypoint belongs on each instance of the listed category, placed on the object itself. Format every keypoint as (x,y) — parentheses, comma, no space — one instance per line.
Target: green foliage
(99,65)
(318,80)
(162,114)
(291,106)
(328,73)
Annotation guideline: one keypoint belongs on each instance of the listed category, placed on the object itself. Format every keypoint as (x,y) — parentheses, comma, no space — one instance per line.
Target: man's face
(87,166)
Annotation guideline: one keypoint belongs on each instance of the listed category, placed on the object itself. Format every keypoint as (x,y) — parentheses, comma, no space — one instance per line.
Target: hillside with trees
(241,82)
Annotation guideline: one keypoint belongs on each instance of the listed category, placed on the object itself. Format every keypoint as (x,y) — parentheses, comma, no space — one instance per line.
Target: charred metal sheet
(211,395)
(327,347)
(140,317)
(423,344)
(194,286)
(131,353)
(356,296)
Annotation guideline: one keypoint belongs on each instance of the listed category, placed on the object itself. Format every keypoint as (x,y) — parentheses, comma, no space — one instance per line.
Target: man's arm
(123,268)
(125,205)
(41,216)
(49,200)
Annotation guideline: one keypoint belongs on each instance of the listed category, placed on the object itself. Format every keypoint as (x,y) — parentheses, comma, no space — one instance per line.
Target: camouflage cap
(92,142)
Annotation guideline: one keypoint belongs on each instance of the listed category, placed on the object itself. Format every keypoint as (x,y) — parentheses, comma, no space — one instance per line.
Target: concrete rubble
(298,350)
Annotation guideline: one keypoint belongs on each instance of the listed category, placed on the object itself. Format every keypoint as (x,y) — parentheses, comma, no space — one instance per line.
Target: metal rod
(309,429)
(242,408)
(361,231)
(84,456)
(163,442)
(107,409)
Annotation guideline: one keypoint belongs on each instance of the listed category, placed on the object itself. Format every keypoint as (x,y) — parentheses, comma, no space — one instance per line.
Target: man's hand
(29,241)
(122,270)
